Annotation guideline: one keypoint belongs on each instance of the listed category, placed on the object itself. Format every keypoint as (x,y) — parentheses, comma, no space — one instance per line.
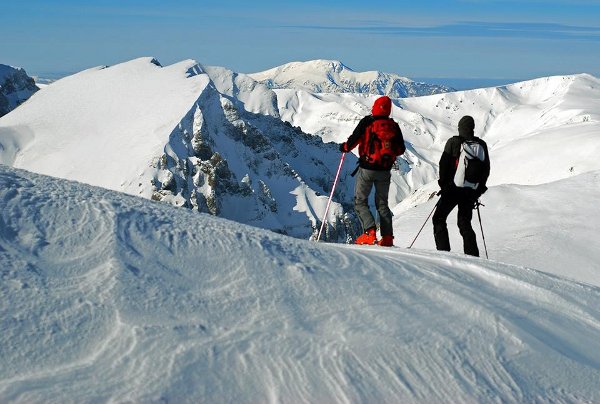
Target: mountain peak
(324,64)
(332,76)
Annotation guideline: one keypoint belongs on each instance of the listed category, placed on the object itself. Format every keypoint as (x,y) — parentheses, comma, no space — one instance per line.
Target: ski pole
(481,226)
(331,195)
(426,220)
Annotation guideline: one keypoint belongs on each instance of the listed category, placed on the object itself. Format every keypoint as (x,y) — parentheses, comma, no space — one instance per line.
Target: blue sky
(480,39)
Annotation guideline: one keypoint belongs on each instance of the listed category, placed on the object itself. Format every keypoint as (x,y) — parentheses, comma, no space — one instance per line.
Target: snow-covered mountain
(15,88)
(108,297)
(538,131)
(201,137)
(332,76)
(220,142)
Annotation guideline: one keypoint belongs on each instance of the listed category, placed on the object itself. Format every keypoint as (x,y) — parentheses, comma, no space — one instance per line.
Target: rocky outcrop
(229,162)
(15,88)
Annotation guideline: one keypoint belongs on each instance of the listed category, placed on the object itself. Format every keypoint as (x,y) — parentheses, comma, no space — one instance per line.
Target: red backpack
(378,147)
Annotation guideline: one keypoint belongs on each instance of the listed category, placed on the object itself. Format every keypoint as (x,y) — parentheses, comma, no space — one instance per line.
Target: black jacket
(358,135)
(449,161)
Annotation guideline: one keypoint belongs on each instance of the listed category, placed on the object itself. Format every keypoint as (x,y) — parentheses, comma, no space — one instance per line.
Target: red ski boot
(386,241)
(369,237)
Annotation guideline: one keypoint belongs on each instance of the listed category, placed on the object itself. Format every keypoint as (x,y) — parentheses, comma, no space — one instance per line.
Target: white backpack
(469,172)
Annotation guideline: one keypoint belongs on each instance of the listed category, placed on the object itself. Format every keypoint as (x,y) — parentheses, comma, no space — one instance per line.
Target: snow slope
(109,297)
(551,227)
(332,76)
(101,126)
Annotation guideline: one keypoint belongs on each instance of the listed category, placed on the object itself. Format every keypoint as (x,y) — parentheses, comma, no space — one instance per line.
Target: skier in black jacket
(463,194)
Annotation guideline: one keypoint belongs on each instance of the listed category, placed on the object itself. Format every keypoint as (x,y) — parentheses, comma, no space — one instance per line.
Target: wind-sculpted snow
(109,297)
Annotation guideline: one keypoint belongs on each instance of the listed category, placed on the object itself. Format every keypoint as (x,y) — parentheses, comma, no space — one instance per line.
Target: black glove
(474,201)
(481,190)
(344,148)
(446,188)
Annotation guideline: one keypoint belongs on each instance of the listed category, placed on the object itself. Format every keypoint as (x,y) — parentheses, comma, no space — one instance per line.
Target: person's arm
(448,164)
(399,141)
(356,135)
(486,169)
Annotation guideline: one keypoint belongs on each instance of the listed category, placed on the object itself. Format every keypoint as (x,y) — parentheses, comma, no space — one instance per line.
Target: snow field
(550,227)
(112,297)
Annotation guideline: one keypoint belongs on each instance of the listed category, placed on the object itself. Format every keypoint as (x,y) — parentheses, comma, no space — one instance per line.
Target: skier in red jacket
(379,140)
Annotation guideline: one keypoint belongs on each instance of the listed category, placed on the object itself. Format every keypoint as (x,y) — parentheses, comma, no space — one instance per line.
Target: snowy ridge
(233,157)
(332,76)
(89,126)
(115,298)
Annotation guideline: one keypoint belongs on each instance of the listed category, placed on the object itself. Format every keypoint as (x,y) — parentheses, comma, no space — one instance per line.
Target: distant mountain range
(332,76)
(223,143)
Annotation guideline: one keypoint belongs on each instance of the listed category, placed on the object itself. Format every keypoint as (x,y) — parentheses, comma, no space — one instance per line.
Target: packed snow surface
(109,297)
(551,227)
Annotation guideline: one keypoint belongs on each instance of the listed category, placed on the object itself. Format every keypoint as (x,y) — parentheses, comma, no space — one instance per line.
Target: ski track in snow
(108,297)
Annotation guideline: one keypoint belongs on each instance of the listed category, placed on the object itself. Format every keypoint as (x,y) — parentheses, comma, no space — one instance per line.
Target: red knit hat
(382,106)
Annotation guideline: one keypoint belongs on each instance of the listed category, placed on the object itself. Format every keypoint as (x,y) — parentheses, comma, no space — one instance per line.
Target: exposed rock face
(15,88)
(227,161)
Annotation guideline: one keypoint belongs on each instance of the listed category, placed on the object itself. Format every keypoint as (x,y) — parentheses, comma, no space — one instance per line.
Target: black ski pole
(481,226)
(426,220)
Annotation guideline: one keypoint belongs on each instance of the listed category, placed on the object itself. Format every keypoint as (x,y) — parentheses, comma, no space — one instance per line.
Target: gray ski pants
(365,179)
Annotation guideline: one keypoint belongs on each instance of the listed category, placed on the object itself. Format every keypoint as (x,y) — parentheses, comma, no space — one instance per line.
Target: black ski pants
(465,199)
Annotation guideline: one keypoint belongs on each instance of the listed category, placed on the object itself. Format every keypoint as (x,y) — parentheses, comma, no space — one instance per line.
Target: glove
(344,148)
(474,200)
(446,188)
(481,190)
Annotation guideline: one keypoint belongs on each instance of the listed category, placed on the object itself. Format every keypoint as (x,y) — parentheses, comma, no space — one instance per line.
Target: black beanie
(466,126)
